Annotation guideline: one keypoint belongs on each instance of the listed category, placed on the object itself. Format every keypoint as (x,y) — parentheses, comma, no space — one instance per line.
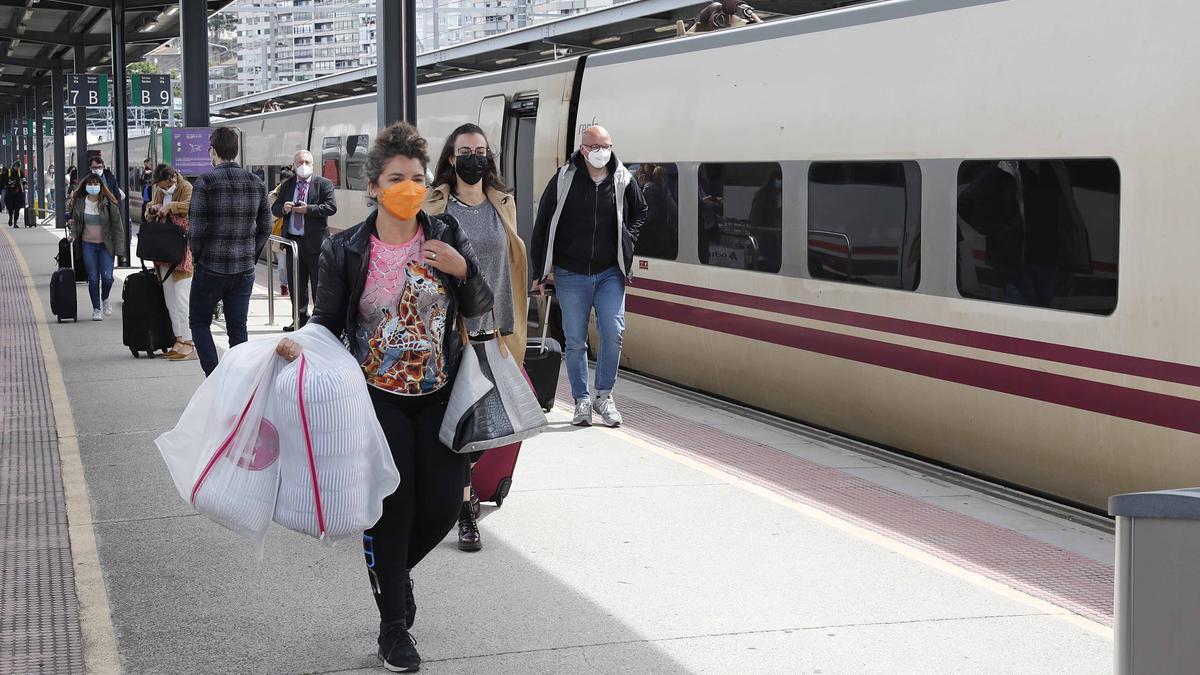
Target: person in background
(96,166)
(3,177)
(305,203)
(96,218)
(588,221)
(14,193)
(171,203)
(229,222)
(279,259)
(467,186)
(72,179)
(147,185)
(394,287)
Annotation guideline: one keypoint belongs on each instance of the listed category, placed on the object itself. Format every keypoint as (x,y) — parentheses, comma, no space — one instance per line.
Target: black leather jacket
(344,264)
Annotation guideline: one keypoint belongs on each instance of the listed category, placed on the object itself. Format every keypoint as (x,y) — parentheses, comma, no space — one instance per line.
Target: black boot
(474,503)
(410,604)
(398,649)
(468,530)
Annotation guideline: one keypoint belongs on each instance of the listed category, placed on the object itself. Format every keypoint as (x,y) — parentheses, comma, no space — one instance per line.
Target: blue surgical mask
(92,189)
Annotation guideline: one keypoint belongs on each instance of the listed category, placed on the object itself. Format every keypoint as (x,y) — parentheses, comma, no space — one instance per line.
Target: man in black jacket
(588,221)
(305,203)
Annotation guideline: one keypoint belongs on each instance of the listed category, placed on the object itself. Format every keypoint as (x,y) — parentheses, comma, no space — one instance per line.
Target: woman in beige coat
(170,204)
(467,186)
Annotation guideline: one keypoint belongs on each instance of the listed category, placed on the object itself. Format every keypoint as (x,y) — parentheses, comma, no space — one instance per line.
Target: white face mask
(98,172)
(92,189)
(170,190)
(599,158)
(304,170)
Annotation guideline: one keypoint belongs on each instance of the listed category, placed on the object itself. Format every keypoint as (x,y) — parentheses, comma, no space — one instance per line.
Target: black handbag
(161,242)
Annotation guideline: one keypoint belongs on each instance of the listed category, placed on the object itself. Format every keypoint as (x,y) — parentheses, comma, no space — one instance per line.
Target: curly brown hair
(398,140)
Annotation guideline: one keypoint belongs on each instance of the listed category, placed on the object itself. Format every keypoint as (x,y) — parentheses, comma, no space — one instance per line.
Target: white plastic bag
(223,454)
(336,467)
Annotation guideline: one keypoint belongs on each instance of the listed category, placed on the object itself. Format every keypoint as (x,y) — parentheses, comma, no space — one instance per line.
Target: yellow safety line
(876,538)
(95,619)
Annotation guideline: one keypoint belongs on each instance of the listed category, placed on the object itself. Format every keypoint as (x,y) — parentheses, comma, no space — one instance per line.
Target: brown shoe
(188,355)
(468,530)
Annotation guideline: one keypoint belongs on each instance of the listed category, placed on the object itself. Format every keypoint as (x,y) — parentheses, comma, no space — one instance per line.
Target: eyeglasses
(593,148)
(464,151)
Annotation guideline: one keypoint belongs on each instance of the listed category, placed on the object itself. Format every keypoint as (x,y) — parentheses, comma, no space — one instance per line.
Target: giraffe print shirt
(403,311)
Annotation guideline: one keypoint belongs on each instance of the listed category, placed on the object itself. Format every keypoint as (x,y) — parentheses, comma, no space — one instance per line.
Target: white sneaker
(97,315)
(583,413)
(107,308)
(607,410)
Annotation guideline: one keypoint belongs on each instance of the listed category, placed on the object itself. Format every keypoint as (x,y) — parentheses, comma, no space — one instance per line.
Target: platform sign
(87,91)
(186,149)
(150,90)
(47,126)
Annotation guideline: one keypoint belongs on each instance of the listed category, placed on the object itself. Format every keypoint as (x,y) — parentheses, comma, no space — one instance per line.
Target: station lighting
(610,39)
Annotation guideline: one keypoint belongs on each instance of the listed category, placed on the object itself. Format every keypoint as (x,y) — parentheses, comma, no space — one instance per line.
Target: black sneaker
(410,604)
(398,649)
(468,530)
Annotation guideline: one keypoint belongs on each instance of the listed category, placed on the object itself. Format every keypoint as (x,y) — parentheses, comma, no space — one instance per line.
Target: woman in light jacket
(170,204)
(467,186)
(96,218)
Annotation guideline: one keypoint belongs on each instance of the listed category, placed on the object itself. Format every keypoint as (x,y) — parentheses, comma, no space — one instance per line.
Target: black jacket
(344,265)
(586,238)
(321,204)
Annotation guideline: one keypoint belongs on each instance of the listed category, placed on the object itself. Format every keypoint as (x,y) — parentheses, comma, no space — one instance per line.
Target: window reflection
(1041,233)
(660,189)
(741,215)
(864,223)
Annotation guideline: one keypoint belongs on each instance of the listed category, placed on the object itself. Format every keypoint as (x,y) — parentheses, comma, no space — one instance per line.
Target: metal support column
(193,28)
(396,56)
(30,164)
(81,115)
(120,105)
(58,93)
(40,152)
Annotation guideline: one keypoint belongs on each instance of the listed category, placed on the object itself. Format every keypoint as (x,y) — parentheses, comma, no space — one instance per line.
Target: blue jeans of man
(208,288)
(99,264)
(578,295)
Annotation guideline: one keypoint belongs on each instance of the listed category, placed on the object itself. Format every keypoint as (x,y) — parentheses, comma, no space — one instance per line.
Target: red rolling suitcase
(492,476)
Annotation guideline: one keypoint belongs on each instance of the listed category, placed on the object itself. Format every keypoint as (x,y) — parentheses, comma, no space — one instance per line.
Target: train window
(741,214)
(660,188)
(331,155)
(864,223)
(1040,232)
(356,162)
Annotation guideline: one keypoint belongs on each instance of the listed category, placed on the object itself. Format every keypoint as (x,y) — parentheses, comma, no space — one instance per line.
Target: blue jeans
(578,294)
(99,264)
(209,288)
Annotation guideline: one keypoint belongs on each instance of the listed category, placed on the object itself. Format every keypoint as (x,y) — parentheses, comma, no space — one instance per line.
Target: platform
(698,538)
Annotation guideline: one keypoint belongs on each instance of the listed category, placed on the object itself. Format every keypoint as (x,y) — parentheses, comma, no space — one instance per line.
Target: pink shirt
(402,322)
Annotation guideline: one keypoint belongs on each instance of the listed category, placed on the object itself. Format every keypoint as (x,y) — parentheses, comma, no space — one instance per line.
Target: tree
(142,67)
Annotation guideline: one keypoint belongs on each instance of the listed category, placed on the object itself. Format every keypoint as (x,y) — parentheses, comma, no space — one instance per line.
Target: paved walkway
(695,539)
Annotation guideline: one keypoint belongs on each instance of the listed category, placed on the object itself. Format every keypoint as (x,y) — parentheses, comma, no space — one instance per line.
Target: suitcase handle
(549,295)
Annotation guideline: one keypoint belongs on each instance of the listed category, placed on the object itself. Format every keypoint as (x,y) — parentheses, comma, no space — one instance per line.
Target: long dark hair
(81,191)
(444,174)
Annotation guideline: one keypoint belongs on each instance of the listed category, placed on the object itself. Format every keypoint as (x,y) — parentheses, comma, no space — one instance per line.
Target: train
(954,228)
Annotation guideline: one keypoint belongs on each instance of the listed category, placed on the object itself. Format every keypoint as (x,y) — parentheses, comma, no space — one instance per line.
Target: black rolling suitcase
(63,302)
(145,321)
(70,256)
(543,361)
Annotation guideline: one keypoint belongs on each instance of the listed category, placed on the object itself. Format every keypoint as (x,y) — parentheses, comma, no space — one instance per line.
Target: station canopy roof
(36,33)
(630,23)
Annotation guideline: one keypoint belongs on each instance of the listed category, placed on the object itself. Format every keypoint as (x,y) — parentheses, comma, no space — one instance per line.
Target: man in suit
(305,203)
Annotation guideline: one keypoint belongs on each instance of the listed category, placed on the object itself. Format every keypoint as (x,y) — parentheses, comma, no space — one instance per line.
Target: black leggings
(419,514)
(14,216)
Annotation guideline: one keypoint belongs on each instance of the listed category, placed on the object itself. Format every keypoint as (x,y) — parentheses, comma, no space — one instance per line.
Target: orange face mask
(403,199)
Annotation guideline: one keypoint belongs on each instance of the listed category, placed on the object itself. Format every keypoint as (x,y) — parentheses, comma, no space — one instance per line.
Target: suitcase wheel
(502,491)
(134,352)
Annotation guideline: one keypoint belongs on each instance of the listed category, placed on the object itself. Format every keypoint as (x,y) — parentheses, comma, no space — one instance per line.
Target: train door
(519,169)
(332,160)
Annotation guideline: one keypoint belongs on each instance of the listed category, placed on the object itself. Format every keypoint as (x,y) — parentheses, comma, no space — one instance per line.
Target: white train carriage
(958,228)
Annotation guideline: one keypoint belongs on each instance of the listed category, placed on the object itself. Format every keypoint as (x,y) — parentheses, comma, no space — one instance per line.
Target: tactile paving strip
(39,613)
(1064,578)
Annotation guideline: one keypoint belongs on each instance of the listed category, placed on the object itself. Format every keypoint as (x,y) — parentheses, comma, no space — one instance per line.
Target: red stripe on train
(1165,371)
(1161,410)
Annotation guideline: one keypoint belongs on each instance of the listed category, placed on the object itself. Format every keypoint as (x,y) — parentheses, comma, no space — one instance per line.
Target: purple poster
(189,150)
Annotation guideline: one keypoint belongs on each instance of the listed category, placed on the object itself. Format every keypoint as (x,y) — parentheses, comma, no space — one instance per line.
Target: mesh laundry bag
(335,464)
(223,454)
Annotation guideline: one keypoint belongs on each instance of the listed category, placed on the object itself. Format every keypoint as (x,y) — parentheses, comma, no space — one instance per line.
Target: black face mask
(470,168)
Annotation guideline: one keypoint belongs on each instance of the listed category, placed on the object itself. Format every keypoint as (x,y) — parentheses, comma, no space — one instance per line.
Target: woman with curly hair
(394,286)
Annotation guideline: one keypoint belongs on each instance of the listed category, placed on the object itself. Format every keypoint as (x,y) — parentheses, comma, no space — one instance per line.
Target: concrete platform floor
(694,540)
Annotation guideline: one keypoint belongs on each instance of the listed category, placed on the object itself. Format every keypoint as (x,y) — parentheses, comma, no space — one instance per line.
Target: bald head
(596,135)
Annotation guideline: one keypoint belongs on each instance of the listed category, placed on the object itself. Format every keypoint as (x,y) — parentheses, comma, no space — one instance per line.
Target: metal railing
(293,275)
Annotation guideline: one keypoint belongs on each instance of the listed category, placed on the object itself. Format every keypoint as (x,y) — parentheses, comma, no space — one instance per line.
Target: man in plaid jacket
(229,222)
